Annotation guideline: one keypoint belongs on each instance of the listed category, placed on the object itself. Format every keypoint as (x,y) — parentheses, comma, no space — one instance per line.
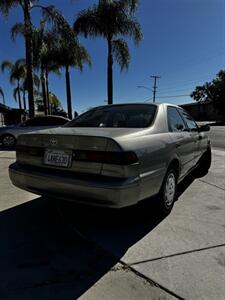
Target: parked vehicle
(113,156)
(9,134)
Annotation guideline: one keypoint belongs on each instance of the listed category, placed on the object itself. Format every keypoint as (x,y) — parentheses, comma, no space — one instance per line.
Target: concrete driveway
(183,254)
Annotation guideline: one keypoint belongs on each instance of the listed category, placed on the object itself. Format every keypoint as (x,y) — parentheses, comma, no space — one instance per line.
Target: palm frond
(12,79)
(129,6)
(17,29)
(15,93)
(60,24)
(131,28)
(109,19)
(88,23)
(7,64)
(7,5)
(121,53)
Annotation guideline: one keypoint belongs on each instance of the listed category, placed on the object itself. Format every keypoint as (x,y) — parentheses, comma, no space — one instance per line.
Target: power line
(174,96)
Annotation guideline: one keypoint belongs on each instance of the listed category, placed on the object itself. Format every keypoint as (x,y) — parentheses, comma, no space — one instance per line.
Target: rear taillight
(107,157)
(34,151)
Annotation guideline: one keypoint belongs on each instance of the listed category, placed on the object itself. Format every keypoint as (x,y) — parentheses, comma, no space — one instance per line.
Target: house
(203,111)
(10,116)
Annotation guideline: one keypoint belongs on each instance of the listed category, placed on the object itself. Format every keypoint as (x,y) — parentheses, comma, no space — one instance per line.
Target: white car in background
(9,134)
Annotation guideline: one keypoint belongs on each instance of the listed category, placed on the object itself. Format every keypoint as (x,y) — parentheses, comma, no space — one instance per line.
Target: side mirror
(179,127)
(205,127)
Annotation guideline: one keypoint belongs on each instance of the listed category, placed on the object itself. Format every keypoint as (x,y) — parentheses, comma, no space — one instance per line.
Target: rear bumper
(98,192)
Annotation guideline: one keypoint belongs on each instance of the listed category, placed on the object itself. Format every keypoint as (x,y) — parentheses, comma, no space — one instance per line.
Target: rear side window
(189,120)
(117,116)
(46,121)
(175,122)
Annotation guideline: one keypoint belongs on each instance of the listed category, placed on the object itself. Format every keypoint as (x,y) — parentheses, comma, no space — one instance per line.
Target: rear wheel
(168,192)
(8,141)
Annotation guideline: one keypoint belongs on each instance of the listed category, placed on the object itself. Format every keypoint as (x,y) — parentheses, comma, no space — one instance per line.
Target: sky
(184,44)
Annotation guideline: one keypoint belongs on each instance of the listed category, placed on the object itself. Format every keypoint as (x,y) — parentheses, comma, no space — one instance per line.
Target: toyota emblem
(53,141)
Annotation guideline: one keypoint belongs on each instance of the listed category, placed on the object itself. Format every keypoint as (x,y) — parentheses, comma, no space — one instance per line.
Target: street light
(144,87)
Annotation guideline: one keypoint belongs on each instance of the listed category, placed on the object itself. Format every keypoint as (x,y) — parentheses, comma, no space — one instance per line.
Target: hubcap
(170,188)
(8,140)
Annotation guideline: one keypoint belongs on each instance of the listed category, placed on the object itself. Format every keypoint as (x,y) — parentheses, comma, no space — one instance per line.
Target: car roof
(50,116)
(137,103)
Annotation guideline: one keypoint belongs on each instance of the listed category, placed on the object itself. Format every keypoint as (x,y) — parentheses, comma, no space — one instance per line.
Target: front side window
(117,116)
(175,122)
(192,126)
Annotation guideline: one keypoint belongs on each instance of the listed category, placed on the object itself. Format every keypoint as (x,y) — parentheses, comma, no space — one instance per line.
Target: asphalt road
(217,136)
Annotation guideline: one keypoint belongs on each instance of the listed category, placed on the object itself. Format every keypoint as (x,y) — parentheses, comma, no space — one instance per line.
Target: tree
(53,15)
(66,50)
(69,53)
(24,88)
(2,94)
(213,91)
(26,5)
(17,73)
(42,42)
(48,49)
(55,104)
(111,19)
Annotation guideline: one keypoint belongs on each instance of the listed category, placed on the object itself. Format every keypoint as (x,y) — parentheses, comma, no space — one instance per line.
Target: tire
(204,163)
(168,192)
(8,141)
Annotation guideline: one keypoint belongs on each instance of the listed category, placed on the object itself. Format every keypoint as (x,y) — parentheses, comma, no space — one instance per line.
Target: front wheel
(168,192)
(8,141)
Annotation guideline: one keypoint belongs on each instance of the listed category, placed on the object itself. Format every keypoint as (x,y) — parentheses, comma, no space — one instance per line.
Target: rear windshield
(120,116)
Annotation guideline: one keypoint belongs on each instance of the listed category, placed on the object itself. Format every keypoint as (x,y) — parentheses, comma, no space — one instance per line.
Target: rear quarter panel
(155,151)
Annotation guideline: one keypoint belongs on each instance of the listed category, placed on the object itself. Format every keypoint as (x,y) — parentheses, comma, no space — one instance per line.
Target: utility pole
(154,86)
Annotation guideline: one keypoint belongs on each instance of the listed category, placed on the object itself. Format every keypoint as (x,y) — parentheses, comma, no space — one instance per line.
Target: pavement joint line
(212,184)
(151,281)
(176,254)
(77,232)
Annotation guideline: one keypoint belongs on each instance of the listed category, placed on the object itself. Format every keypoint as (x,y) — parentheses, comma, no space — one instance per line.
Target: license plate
(57,158)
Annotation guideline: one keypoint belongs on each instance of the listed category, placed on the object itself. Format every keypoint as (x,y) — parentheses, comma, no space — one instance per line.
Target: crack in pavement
(212,184)
(176,254)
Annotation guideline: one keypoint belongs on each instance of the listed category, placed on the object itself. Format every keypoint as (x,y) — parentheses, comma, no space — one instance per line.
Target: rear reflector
(106,157)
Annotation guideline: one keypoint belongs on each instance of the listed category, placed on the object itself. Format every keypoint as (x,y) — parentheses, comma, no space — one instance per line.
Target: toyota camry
(113,156)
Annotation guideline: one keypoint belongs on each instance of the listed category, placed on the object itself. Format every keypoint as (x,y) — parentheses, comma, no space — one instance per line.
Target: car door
(194,132)
(183,142)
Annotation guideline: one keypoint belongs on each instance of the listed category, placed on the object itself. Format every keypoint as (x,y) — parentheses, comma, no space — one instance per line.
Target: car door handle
(178,145)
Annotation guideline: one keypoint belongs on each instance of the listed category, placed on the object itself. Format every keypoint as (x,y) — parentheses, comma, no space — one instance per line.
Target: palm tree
(24,88)
(53,15)
(111,19)
(26,5)
(17,73)
(18,76)
(42,42)
(70,53)
(2,94)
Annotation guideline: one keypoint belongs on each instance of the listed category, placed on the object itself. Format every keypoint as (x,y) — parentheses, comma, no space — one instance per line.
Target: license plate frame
(58,158)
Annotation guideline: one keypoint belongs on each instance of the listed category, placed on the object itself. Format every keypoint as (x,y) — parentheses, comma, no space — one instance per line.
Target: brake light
(107,157)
